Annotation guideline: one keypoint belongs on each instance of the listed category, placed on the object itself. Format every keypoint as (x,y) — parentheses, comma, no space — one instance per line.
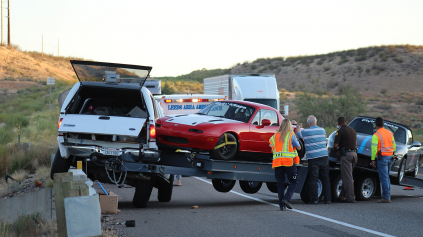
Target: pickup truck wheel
(301,152)
(250,186)
(164,189)
(336,187)
(305,191)
(223,185)
(272,186)
(143,191)
(226,147)
(60,165)
(365,187)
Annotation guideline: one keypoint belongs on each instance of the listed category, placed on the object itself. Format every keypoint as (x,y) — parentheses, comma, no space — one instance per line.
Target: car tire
(223,185)
(250,186)
(336,187)
(305,191)
(272,186)
(401,172)
(60,165)
(165,189)
(365,187)
(226,152)
(143,191)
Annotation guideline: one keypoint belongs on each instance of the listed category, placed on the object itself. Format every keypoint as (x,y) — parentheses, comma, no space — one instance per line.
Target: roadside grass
(20,175)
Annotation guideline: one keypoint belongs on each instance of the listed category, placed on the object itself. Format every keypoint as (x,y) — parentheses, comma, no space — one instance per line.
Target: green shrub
(17,120)
(332,84)
(398,59)
(343,60)
(26,225)
(326,68)
(333,73)
(253,67)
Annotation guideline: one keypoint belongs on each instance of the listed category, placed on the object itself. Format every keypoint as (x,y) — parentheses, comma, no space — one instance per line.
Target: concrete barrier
(39,201)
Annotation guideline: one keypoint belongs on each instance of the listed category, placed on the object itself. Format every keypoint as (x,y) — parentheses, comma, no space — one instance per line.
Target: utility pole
(42,45)
(8,22)
(1,22)
(57,47)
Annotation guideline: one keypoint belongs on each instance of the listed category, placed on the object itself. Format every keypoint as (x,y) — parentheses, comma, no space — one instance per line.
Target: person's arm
(336,141)
(375,142)
(271,141)
(295,143)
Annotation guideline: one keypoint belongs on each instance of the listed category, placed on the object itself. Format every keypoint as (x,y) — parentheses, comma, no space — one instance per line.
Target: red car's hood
(196,119)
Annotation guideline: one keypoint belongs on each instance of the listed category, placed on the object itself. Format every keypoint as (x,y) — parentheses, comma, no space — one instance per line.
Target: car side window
(270,115)
(410,137)
(256,120)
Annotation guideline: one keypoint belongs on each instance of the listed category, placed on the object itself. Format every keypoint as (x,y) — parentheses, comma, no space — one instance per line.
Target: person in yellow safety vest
(284,144)
(383,146)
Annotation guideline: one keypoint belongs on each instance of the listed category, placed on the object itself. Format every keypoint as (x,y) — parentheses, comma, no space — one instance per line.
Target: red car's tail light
(152,133)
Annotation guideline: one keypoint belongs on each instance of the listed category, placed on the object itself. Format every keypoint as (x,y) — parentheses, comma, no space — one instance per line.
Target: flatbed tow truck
(250,174)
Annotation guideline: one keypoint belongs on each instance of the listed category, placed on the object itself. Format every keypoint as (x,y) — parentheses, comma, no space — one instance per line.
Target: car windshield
(269,102)
(368,126)
(229,110)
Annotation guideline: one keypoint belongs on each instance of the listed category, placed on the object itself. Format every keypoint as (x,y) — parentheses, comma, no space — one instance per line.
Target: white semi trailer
(259,88)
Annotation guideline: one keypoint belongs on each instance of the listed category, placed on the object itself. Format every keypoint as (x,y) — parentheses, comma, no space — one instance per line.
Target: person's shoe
(313,202)
(384,200)
(348,201)
(282,208)
(327,202)
(287,204)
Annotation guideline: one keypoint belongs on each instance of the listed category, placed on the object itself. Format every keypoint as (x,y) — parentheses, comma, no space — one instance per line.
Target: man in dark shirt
(346,141)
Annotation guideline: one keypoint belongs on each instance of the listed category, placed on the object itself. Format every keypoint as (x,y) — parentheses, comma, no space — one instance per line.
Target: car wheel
(272,186)
(223,185)
(226,147)
(336,187)
(143,191)
(165,189)
(305,191)
(250,186)
(365,187)
(60,165)
(401,172)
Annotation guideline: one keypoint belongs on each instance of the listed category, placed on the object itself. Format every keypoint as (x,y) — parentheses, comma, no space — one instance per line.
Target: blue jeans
(384,165)
(177,176)
(318,168)
(291,173)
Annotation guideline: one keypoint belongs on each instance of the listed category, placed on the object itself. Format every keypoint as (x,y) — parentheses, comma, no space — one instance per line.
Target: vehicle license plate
(111,152)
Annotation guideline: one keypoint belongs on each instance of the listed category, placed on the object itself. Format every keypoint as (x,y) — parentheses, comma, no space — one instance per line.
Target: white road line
(308,214)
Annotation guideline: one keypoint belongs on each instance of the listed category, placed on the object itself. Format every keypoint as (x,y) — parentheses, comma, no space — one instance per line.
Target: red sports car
(223,129)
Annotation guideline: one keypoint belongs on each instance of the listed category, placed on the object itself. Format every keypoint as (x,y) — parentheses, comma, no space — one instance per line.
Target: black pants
(318,168)
(291,173)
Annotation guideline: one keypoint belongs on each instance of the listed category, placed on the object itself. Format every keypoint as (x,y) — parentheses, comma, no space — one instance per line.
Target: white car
(105,120)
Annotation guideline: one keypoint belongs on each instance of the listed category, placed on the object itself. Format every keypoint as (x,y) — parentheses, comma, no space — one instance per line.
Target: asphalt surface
(239,214)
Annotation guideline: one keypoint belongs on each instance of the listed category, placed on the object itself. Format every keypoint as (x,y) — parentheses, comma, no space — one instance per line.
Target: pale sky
(177,37)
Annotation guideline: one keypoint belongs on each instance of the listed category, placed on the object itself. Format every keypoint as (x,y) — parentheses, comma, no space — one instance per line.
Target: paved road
(238,214)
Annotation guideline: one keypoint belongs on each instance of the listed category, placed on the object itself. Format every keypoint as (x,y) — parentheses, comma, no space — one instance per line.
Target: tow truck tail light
(203,100)
(168,101)
(221,99)
(152,133)
(60,123)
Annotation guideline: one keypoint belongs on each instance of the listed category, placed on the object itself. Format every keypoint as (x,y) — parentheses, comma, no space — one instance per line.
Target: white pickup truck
(102,122)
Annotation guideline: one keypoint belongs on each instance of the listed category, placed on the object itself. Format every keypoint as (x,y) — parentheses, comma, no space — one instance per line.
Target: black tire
(272,186)
(250,186)
(226,152)
(164,189)
(60,165)
(336,187)
(365,187)
(223,185)
(301,153)
(401,172)
(142,193)
(305,191)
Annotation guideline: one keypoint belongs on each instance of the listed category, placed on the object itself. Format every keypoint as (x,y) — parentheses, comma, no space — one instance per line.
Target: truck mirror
(416,144)
(265,122)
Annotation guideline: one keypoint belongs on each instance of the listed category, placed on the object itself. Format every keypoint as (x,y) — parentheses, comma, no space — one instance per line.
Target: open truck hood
(110,72)
(100,124)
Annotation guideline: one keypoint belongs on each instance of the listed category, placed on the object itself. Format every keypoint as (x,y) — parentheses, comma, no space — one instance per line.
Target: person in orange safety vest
(285,157)
(383,146)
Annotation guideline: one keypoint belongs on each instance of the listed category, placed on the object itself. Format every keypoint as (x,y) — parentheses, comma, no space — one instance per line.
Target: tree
(167,89)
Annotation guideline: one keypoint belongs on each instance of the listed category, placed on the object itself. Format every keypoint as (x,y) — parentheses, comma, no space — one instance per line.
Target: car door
(260,135)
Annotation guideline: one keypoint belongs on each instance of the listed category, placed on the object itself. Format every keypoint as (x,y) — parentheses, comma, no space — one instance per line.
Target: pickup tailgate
(97,124)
